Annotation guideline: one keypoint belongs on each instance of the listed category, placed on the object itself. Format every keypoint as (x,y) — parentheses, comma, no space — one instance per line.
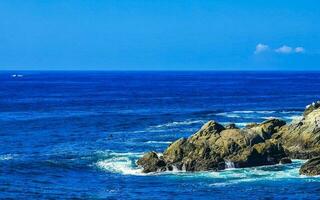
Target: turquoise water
(79,134)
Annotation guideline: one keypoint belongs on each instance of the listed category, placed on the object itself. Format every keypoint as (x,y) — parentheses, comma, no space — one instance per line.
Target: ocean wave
(125,164)
(274,172)
(158,142)
(7,157)
(294,117)
(254,111)
(180,123)
(122,163)
(229,114)
(238,124)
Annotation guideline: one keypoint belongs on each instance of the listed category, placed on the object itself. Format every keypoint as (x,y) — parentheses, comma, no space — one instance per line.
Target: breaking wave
(7,157)
(125,164)
(158,142)
(174,124)
(122,163)
(272,173)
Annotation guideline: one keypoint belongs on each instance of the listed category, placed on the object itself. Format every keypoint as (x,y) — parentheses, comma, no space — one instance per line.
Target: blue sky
(160,35)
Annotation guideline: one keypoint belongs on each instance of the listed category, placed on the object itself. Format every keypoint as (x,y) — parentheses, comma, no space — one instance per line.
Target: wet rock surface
(216,147)
(311,167)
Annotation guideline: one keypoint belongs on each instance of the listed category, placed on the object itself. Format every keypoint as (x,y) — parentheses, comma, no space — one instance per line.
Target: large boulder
(195,153)
(151,163)
(311,167)
(301,138)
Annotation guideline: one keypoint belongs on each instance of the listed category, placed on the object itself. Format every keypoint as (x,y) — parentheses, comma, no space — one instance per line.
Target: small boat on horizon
(17,75)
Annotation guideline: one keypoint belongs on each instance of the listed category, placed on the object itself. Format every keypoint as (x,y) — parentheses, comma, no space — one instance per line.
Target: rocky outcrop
(301,138)
(311,107)
(311,167)
(216,147)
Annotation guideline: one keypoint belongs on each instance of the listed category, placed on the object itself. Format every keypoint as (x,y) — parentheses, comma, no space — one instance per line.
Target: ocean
(78,134)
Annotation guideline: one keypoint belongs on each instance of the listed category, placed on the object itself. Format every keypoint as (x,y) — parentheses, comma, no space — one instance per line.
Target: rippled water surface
(78,134)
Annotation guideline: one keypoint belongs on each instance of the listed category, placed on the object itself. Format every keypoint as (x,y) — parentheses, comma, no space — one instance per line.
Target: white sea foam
(242,124)
(228,114)
(254,111)
(276,172)
(294,117)
(119,165)
(269,117)
(173,124)
(158,142)
(7,157)
(125,163)
(229,165)
(122,163)
(238,124)
(17,75)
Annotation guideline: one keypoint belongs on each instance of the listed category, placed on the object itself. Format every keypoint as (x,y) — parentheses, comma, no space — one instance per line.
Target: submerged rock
(311,167)
(215,147)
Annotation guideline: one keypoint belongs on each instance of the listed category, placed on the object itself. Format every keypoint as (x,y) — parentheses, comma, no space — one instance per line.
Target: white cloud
(261,48)
(299,50)
(284,49)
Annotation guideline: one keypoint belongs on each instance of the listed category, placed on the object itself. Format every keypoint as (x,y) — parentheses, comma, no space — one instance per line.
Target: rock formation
(301,138)
(215,147)
(311,167)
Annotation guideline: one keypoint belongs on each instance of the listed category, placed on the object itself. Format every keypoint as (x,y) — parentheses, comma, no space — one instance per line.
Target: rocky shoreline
(216,147)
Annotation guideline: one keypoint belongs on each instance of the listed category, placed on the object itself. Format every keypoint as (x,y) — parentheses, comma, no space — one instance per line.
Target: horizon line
(157,70)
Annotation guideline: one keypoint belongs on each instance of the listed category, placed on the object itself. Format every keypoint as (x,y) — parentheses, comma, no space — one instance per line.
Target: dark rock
(231,126)
(285,160)
(311,167)
(267,153)
(151,163)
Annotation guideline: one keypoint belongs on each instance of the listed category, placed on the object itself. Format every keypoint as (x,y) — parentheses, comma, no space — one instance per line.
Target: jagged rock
(267,153)
(301,138)
(311,167)
(178,150)
(285,160)
(267,128)
(215,147)
(212,145)
(311,107)
(151,163)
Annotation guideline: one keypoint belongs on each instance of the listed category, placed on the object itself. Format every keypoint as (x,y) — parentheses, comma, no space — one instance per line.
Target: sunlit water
(79,134)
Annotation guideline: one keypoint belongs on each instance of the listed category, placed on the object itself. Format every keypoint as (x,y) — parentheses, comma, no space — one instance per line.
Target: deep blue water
(78,134)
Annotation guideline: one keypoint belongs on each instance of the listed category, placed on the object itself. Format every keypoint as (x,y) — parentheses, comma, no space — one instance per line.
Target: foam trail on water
(173,124)
(272,173)
(122,163)
(158,142)
(7,157)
